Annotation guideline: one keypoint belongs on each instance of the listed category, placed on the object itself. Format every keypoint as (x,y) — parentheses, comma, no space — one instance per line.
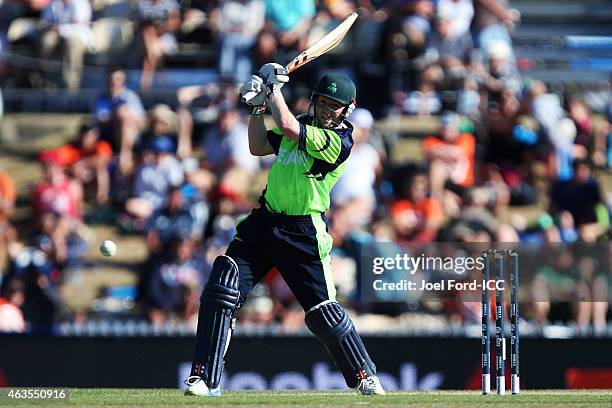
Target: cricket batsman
(288,230)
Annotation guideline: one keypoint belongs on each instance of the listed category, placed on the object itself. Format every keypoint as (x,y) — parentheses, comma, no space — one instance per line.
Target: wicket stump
(499,259)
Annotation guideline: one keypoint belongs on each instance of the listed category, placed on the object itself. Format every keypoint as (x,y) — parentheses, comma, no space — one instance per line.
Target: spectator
(239,23)
(89,160)
(200,21)
(355,189)
(448,50)
(418,216)
(41,276)
(174,275)
(552,280)
(425,100)
(8,196)
(468,99)
(583,199)
(58,202)
(592,291)
(340,9)
(565,150)
(478,211)
(403,39)
(162,122)
(120,117)
(462,12)
(66,27)
(225,143)
(513,147)
(545,106)
(11,299)
(153,180)
(37,259)
(158,21)
(492,21)
(266,47)
(408,28)
(450,157)
(330,13)
(475,221)
(198,107)
(580,114)
(502,115)
(591,134)
(567,229)
(500,72)
(174,218)
(290,21)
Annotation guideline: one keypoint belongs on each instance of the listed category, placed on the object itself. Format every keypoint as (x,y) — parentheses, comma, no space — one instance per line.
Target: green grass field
(447,399)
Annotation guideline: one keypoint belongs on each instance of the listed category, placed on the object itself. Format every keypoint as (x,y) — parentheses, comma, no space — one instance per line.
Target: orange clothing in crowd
(102,149)
(7,191)
(68,155)
(462,169)
(406,213)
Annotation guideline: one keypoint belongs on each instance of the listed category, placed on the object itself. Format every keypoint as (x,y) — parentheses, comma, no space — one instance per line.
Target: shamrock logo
(332,87)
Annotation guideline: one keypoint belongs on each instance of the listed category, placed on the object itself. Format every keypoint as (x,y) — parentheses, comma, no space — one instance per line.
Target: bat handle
(248,96)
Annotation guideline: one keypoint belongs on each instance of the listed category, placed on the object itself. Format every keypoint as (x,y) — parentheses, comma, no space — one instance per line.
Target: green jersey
(304,172)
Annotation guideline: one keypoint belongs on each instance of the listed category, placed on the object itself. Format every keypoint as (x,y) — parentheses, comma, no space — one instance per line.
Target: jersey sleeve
(323,144)
(275,136)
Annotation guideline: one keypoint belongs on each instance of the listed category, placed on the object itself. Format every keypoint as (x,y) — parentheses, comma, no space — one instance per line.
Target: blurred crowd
(180,175)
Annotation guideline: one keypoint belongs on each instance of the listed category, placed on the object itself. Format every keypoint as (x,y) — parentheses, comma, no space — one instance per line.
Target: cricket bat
(325,44)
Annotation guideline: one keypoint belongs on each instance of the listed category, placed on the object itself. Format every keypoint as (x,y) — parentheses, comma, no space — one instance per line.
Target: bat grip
(248,96)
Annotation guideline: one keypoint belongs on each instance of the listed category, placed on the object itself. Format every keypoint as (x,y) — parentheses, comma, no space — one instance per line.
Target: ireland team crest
(332,87)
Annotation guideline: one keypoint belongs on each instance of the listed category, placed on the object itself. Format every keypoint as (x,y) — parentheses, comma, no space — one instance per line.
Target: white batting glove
(275,75)
(251,90)
(258,100)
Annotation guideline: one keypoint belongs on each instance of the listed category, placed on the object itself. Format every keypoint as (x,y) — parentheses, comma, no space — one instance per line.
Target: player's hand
(252,91)
(257,100)
(273,74)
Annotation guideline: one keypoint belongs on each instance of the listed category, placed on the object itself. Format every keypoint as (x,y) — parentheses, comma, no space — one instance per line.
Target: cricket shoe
(197,387)
(370,386)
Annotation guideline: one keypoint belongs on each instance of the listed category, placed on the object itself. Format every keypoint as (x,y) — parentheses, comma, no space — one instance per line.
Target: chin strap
(350,108)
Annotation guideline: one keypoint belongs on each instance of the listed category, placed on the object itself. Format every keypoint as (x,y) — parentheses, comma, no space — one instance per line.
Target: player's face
(328,111)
